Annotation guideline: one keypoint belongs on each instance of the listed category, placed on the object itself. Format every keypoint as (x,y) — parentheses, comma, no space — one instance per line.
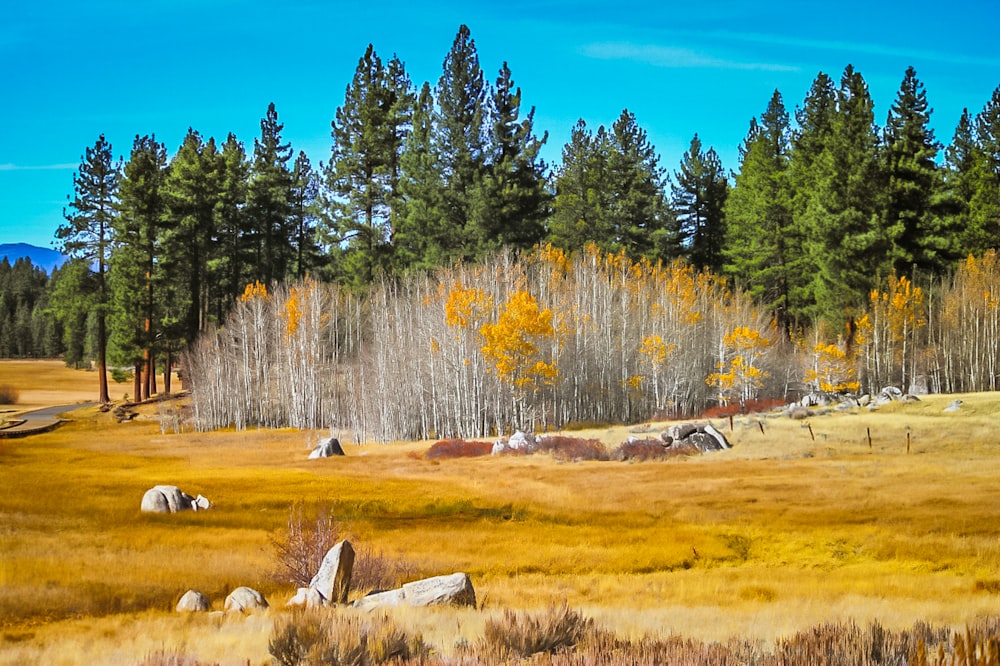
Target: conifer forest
(433,275)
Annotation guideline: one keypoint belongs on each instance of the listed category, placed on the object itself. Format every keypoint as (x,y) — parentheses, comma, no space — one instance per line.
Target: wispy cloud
(847,47)
(666,56)
(38,167)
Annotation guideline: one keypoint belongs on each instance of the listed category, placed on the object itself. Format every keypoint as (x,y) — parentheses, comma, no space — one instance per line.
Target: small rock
(307,597)
(245,600)
(953,406)
(193,602)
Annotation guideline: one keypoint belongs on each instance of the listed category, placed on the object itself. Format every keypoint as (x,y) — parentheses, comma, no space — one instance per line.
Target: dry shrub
(9,395)
(316,637)
(164,658)
(457,448)
(568,449)
(650,449)
(521,635)
(300,549)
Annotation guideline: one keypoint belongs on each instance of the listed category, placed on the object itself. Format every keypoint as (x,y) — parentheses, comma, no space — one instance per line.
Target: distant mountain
(43,257)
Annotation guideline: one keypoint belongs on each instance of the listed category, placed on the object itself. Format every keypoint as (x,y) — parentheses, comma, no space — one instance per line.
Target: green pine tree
(846,241)
(88,235)
(763,247)
(460,143)
(268,201)
(698,199)
(515,200)
(914,225)
(363,173)
(582,201)
(422,235)
(134,258)
(191,192)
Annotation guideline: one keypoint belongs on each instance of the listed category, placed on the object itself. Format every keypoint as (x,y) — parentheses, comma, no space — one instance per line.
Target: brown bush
(457,448)
(9,395)
(566,448)
(317,637)
(521,635)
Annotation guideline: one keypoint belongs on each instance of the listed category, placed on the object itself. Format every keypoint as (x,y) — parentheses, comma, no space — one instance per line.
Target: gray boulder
(193,602)
(681,431)
(953,406)
(245,600)
(452,590)
(170,499)
(307,597)
(327,448)
(389,599)
(333,580)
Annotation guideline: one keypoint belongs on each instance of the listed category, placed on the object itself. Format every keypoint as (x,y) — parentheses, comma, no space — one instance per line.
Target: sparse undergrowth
(561,636)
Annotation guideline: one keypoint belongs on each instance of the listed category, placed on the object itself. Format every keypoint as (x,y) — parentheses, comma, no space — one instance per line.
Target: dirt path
(38,420)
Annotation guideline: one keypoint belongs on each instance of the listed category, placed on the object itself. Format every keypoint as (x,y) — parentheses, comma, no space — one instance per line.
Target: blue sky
(74,70)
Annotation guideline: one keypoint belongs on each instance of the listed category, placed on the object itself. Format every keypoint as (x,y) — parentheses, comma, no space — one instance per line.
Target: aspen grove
(550,339)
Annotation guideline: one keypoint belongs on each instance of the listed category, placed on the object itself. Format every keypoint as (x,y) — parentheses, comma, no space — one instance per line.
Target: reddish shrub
(566,448)
(457,448)
(650,449)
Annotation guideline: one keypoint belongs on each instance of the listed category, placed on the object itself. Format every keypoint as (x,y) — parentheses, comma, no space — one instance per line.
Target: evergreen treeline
(824,204)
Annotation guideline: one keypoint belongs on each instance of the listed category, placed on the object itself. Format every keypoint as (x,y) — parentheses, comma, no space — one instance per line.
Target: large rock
(193,602)
(327,448)
(245,600)
(170,499)
(307,597)
(454,590)
(333,580)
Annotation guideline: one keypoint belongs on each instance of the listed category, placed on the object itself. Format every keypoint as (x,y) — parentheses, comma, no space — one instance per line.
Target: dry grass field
(798,524)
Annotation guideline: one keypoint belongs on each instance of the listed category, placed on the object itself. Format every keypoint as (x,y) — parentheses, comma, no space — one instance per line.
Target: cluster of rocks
(819,403)
(241,600)
(331,584)
(171,499)
(703,437)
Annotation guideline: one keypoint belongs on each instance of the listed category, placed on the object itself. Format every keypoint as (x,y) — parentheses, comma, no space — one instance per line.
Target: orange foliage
(741,377)
(509,344)
(255,290)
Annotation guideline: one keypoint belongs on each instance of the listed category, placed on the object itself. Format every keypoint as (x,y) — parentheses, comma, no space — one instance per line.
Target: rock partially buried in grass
(307,597)
(193,602)
(170,499)
(451,590)
(245,600)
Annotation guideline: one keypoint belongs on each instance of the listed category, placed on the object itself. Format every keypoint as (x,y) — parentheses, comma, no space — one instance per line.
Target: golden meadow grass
(778,534)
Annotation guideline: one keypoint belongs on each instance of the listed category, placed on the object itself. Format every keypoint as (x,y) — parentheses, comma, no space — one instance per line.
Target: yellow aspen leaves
(739,377)
(254,291)
(465,306)
(509,344)
(833,370)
